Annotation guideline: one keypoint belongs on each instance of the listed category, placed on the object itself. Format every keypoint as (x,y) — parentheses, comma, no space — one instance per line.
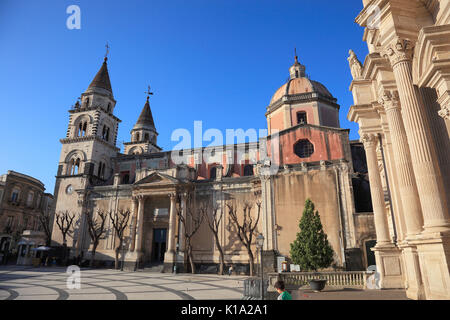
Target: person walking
(284,295)
(230,270)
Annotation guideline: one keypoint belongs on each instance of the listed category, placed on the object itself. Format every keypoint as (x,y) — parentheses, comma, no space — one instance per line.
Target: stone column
(386,254)
(376,190)
(402,158)
(408,194)
(134,210)
(428,179)
(434,242)
(172,223)
(140,226)
(181,237)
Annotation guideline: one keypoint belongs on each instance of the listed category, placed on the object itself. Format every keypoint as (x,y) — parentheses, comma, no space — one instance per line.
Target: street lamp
(124,247)
(259,245)
(176,258)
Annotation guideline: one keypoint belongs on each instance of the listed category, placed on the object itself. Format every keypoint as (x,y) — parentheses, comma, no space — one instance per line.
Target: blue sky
(211,60)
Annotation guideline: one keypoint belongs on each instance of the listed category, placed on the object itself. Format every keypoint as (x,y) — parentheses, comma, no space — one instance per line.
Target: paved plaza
(28,283)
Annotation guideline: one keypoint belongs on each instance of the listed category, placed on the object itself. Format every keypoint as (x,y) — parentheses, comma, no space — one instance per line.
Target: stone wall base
(413,277)
(389,266)
(434,257)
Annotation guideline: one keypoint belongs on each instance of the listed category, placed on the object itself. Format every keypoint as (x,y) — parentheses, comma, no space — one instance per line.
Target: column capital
(445,112)
(398,51)
(369,140)
(172,195)
(140,197)
(390,100)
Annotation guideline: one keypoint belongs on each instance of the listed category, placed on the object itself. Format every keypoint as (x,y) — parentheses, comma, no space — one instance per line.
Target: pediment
(157,178)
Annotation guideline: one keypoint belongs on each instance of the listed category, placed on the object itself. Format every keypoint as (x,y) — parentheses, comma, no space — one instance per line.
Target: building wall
(290,192)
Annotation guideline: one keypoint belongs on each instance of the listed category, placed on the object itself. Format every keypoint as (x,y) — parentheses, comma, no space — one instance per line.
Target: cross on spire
(149,92)
(107,50)
(296,57)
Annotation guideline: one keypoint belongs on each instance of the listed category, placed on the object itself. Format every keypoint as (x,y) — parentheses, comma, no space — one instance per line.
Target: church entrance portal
(159,245)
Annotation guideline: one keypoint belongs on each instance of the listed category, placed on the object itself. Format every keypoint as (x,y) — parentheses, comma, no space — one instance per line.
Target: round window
(304,148)
(69,189)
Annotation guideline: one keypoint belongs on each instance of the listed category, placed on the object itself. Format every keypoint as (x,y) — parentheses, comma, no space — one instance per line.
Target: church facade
(402,99)
(305,155)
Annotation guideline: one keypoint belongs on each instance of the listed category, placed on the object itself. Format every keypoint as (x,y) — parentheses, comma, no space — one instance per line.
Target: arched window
(74,167)
(248,170)
(138,137)
(38,200)
(87,103)
(213,173)
(147,137)
(105,133)
(82,128)
(304,148)
(15,195)
(108,109)
(302,118)
(30,198)
(70,166)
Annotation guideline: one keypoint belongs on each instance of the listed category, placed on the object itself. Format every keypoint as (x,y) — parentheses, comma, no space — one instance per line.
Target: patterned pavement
(28,283)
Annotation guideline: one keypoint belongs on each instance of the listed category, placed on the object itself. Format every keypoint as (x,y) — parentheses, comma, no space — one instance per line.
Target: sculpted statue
(355,65)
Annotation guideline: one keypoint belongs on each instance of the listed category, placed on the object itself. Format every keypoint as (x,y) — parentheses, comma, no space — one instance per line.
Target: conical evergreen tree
(311,250)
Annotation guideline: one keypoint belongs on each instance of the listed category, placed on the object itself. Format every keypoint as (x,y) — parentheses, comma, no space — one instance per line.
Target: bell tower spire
(297,70)
(143,134)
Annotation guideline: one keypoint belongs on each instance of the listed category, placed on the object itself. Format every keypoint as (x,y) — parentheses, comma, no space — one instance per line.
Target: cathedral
(306,155)
(401,103)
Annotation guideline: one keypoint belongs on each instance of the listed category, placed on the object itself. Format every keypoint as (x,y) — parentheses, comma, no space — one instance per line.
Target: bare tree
(45,220)
(96,228)
(196,218)
(246,228)
(64,220)
(213,221)
(119,220)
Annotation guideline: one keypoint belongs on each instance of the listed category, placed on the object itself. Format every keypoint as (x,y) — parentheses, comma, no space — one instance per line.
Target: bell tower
(143,134)
(89,145)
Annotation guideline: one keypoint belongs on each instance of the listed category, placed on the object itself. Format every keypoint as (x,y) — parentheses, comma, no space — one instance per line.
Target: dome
(298,86)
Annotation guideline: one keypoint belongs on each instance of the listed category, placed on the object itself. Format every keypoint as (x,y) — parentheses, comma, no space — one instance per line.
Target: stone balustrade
(354,279)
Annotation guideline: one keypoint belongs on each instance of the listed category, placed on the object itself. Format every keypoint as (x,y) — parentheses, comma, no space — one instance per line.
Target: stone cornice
(322,128)
(88,138)
(109,96)
(358,82)
(365,14)
(97,108)
(431,45)
(357,110)
(301,98)
(373,63)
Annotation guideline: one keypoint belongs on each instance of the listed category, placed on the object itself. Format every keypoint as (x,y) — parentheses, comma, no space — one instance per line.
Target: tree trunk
(222,259)
(91,263)
(252,263)
(94,249)
(191,259)
(65,252)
